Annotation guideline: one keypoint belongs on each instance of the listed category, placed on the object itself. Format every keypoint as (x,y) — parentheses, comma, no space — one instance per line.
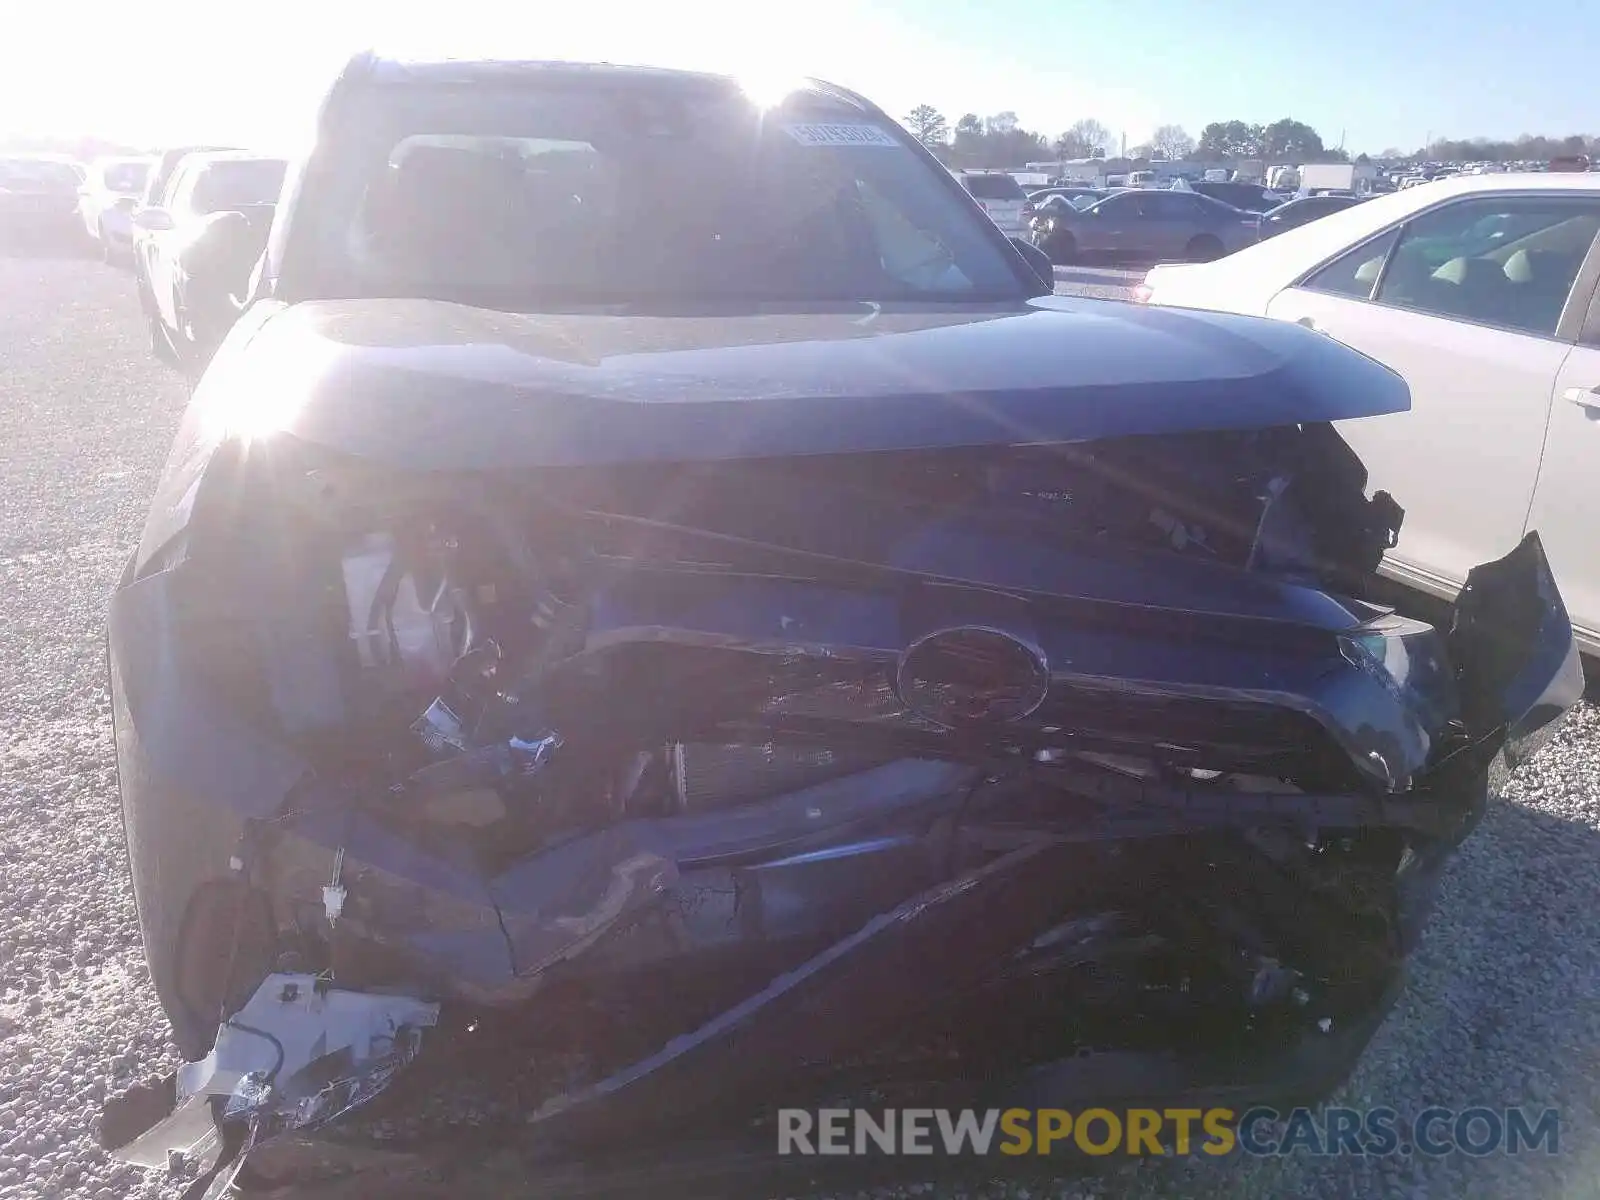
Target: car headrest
(1470,272)
(1369,271)
(1529,266)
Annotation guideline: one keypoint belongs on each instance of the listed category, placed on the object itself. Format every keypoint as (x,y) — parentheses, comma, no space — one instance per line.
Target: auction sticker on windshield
(841,135)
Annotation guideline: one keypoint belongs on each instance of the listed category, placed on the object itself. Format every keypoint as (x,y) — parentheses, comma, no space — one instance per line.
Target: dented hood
(436,385)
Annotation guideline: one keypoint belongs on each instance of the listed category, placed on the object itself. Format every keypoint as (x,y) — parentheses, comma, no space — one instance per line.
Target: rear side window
(1212,207)
(1171,205)
(1508,262)
(1122,204)
(993,187)
(1354,273)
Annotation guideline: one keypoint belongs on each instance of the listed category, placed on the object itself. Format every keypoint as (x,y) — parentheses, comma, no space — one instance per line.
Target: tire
(1062,248)
(1203,247)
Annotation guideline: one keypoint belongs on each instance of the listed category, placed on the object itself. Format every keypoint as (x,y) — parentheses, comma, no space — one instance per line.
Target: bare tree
(1173,141)
(927,125)
(1092,135)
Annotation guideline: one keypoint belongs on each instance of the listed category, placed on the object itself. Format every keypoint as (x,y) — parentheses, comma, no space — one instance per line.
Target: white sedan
(1481,291)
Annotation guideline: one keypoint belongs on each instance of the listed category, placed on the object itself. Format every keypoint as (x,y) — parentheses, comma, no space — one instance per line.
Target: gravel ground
(1504,1007)
(1102,283)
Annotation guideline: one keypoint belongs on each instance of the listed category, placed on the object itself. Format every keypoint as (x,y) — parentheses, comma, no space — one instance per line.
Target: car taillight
(1142,293)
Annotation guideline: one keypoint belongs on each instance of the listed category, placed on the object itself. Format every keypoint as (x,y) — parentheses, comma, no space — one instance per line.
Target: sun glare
(769,89)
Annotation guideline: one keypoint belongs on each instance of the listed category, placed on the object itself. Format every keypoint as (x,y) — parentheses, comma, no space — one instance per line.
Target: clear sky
(1385,72)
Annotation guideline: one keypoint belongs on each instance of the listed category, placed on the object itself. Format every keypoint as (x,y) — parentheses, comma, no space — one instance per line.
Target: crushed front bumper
(864,884)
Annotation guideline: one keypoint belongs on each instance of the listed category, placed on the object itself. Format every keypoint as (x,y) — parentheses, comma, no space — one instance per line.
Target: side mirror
(1038,260)
(153,220)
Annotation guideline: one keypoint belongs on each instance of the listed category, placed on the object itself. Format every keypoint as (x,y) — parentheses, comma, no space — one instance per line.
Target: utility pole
(1124,144)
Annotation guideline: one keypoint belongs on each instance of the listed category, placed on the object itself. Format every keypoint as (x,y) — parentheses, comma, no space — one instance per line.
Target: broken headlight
(1409,660)
(404,617)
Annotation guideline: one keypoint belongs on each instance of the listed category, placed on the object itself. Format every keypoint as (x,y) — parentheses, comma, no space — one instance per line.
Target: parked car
(792,647)
(1143,223)
(1297,212)
(165,166)
(157,192)
(39,201)
(1002,198)
(1480,291)
(1250,197)
(197,248)
(108,196)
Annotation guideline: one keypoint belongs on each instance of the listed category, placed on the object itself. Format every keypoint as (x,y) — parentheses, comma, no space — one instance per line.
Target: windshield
(596,195)
(125,176)
(238,183)
(38,175)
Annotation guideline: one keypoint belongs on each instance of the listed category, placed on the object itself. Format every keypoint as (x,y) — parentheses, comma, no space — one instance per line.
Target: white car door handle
(1588,398)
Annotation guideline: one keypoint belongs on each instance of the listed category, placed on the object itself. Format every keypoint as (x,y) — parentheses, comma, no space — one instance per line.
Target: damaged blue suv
(655,610)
